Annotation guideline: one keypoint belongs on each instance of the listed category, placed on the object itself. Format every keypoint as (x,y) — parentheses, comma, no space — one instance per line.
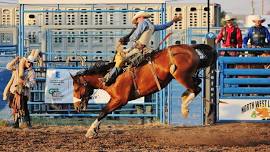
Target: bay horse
(180,62)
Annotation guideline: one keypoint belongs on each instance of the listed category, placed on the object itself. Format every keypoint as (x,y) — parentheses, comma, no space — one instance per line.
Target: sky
(237,6)
(233,6)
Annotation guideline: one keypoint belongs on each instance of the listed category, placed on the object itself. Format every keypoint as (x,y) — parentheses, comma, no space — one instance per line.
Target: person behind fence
(258,35)
(139,41)
(231,37)
(17,91)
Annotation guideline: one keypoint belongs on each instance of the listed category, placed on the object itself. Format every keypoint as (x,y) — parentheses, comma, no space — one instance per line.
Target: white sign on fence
(244,109)
(59,88)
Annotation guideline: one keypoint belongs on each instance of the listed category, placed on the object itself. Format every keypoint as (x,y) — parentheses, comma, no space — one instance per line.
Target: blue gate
(244,92)
(174,109)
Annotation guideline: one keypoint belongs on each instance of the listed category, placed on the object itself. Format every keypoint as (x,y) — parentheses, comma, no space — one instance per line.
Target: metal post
(169,102)
(163,11)
(209,93)
(160,107)
(21,31)
(208,16)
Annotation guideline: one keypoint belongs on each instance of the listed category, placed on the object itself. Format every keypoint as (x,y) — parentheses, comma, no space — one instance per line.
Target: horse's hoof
(184,111)
(91,134)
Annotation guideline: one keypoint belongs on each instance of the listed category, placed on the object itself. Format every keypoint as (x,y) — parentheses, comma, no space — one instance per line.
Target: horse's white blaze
(76,99)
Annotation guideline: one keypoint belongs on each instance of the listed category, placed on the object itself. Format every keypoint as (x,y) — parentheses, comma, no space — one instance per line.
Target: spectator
(18,89)
(257,34)
(231,37)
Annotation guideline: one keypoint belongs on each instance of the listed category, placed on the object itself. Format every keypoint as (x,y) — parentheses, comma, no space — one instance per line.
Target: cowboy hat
(140,14)
(229,18)
(34,53)
(258,18)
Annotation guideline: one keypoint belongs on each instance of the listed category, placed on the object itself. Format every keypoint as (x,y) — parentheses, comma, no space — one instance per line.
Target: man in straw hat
(257,34)
(230,35)
(139,42)
(18,88)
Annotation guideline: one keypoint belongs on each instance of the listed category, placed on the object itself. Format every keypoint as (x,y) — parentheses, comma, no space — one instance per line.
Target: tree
(222,16)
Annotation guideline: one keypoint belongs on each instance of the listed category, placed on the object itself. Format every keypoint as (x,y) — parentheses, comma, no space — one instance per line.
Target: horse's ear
(71,76)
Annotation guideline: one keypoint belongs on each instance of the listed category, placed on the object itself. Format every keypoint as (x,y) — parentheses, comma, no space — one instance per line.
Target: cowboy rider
(257,34)
(139,42)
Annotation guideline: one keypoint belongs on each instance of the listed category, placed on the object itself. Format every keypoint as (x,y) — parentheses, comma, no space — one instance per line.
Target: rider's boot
(112,75)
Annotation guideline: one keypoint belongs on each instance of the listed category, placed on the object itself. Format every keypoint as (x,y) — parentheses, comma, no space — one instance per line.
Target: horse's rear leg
(94,128)
(192,91)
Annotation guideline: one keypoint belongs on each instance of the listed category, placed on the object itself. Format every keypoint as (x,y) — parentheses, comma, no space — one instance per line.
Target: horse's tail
(208,55)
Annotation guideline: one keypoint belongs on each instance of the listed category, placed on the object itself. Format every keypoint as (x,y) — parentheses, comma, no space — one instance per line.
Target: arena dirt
(221,137)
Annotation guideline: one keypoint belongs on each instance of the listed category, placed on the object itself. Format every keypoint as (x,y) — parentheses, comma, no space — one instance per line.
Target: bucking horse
(179,62)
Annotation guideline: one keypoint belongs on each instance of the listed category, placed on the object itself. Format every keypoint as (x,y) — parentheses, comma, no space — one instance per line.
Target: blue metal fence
(39,108)
(231,81)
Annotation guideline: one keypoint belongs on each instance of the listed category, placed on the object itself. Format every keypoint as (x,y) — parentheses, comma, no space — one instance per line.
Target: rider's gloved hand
(177,18)
(124,40)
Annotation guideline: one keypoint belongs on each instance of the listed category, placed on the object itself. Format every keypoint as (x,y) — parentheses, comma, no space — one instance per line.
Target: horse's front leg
(94,128)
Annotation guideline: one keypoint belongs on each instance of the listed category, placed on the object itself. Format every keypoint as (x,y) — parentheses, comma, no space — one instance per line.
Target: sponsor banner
(59,88)
(244,109)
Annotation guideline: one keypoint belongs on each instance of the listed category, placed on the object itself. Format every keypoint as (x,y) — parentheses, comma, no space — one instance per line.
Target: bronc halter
(88,91)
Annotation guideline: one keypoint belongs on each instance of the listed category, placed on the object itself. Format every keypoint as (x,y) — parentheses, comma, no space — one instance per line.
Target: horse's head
(82,92)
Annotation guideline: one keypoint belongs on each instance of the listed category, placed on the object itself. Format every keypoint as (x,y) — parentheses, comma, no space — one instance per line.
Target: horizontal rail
(239,90)
(243,49)
(94,115)
(79,53)
(247,81)
(243,96)
(233,60)
(87,11)
(246,72)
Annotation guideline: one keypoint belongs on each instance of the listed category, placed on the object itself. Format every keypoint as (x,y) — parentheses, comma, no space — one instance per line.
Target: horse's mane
(100,67)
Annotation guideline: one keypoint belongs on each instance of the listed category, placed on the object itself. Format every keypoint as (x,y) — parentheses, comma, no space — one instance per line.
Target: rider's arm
(163,26)
(31,80)
(239,38)
(267,35)
(247,36)
(12,64)
(220,35)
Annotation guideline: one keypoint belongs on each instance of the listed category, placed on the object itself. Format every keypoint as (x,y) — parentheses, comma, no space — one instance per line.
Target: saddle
(138,59)
(141,58)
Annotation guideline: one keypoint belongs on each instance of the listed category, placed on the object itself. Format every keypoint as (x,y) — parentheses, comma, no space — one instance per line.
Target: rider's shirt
(257,36)
(147,25)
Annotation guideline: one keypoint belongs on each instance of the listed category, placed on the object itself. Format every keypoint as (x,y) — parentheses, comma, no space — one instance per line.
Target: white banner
(244,109)
(59,86)
(59,89)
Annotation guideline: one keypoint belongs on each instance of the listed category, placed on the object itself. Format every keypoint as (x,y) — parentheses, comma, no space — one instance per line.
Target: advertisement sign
(244,109)
(59,88)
